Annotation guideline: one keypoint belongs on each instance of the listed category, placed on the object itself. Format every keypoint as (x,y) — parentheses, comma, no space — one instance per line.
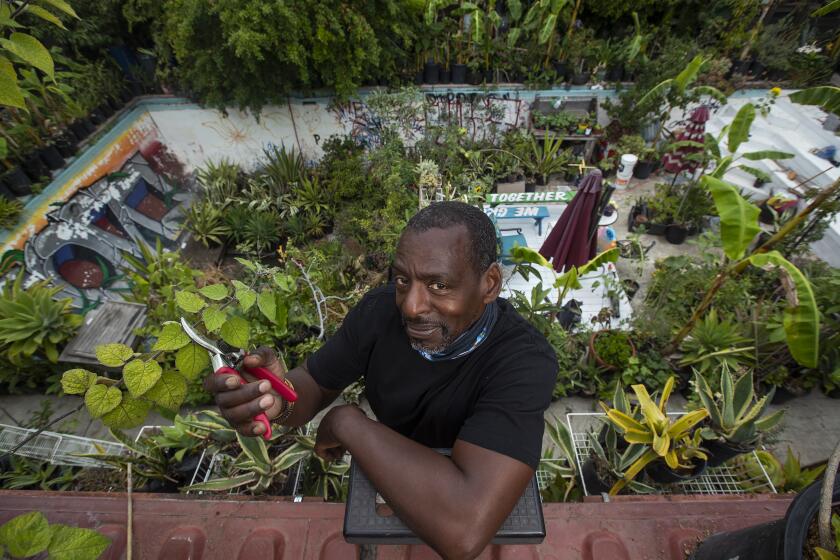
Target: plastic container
(625,170)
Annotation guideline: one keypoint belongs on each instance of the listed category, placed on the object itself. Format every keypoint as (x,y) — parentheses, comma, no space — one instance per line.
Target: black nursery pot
(660,472)
(35,167)
(475,77)
(445,76)
(431,73)
(562,71)
(594,484)
(88,124)
(17,181)
(615,73)
(721,451)
(784,539)
(580,78)
(459,73)
(79,130)
(66,144)
(418,78)
(52,157)
(643,169)
(96,117)
(676,234)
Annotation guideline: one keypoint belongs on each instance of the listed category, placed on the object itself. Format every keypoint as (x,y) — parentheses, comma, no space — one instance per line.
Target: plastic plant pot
(5,192)
(661,473)
(89,126)
(643,169)
(720,451)
(66,144)
(17,181)
(676,234)
(34,166)
(51,157)
(604,365)
(418,78)
(475,77)
(96,117)
(79,130)
(445,76)
(562,70)
(459,73)
(580,78)
(784,539)
(431,73)
(594,484)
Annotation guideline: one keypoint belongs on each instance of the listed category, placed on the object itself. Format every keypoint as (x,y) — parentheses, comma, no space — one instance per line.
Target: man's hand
(328,446)
(239,403)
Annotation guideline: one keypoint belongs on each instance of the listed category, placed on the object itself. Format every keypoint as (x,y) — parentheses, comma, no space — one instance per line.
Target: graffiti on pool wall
(80,239)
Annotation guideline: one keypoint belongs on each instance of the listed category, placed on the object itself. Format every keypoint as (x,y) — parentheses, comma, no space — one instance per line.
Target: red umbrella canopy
(569,243)
(695,131)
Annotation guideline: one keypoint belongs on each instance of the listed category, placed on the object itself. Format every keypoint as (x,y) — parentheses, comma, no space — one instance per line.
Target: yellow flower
(776,91)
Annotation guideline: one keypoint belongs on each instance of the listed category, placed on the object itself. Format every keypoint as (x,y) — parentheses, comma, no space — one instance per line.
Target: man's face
(438,292)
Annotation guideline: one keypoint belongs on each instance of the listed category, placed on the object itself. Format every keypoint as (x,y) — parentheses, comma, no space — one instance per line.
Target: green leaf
(171,337)
(191,360)
(101,399)
(130,413)
(738,218)
(77,381)
(113,355)
(757,173)
(547,29)
(801,318)
(767,154)
(739,130)
(26,535)
(711,145)
(689,73)
(63,6)
(722,167)
(826,97)
(30,50)
(266,303)
(831,6)
(189,302)
(237,332)
(213,318)
(527,255)
(659,89)
(246,296)
(216,292)
(140,376)
(170,390)
(224,484)
(45,15)
(74,543)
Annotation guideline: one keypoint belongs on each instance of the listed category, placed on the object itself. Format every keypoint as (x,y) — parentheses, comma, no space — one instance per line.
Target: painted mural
(128,189)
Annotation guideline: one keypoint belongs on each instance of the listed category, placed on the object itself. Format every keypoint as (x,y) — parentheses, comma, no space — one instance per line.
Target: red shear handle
(261,417)
(276,383)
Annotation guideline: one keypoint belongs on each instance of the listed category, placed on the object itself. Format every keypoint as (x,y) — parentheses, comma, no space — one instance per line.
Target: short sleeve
(344,357)
(508,416)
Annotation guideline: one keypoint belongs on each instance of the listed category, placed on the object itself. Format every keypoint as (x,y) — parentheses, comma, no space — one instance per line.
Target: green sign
(553,196)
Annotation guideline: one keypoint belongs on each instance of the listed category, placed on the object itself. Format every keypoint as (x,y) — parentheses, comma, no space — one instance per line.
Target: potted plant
(736,419)
(546,159)
(608,464)
(672,445)
(611,349)
(648,158)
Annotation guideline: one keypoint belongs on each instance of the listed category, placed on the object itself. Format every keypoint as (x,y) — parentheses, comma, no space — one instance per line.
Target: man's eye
(400,281)
(438,286)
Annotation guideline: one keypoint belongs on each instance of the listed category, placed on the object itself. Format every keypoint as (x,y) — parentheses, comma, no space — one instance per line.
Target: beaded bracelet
(290,406)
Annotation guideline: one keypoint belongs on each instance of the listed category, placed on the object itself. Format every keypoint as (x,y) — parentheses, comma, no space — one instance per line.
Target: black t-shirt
(493,397)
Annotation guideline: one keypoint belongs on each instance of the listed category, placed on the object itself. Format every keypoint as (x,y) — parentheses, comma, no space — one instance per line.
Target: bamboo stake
(129,519)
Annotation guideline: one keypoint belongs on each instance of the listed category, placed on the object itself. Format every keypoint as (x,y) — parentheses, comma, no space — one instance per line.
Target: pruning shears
(227,363)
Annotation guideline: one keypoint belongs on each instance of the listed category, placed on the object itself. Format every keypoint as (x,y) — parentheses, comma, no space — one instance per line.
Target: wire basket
(724,479)
(56,448)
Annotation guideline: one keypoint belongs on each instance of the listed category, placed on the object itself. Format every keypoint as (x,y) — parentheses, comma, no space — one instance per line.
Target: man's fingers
(244,413)
(242,394)
(220,383)
(267,358)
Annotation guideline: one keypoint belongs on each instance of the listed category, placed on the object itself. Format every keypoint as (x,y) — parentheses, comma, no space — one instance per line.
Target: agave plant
(254,469)
(617,462)
(33,321)
(735,415)
(205,220)
(716,342)
(663,438)
(558,460)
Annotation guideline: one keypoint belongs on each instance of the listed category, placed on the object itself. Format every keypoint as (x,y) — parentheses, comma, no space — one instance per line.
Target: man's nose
(416,301)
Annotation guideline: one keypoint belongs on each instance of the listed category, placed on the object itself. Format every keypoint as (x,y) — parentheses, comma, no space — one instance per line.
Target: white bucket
(625,170)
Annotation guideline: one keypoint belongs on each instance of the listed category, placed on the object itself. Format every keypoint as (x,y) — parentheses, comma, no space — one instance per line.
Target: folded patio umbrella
(695,131)
(569,243)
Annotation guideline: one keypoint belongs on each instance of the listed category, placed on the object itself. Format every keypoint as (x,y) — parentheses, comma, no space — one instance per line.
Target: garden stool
(364,526)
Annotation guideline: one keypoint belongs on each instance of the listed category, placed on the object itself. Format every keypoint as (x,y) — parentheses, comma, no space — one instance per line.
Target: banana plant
(674,441)
(543,17)
(735,415)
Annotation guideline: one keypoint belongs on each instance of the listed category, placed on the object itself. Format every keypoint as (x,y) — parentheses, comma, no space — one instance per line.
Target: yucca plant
(32,321)
(282,168)
(261,233)
(9,212)
(672,441)
(220,181)
(715,342)
(735,415)
(205,220)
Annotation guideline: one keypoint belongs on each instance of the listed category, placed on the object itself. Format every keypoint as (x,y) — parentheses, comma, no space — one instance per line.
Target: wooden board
(113,321)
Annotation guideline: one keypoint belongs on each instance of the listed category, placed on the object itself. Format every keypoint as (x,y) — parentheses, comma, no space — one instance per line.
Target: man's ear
(491,283)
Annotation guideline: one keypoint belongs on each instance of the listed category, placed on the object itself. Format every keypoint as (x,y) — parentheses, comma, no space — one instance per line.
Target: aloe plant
(736,416)
(674,441)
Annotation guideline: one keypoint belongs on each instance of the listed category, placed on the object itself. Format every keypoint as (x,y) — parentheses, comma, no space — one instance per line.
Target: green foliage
(28,474)
(10,211)
(738,218)
(30,534)
(613,348)
(558,462)
(205,220)
(34,326)
(716,343)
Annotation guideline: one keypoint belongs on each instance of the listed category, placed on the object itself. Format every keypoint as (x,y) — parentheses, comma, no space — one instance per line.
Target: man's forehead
(434,244)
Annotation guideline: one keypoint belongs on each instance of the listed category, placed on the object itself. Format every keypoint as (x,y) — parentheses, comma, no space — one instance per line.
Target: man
(446,364)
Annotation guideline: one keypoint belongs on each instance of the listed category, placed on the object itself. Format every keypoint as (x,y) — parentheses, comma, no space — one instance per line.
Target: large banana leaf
(827,97)
(548,29)
(831,6)
(767,154)
(712,92)
(659,89)
(722,168)
(739,131)
(738,218)
(689,73)
(801,319)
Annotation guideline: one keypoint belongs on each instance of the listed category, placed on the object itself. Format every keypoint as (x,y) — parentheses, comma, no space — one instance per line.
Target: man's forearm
(311,398)
(426,489)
